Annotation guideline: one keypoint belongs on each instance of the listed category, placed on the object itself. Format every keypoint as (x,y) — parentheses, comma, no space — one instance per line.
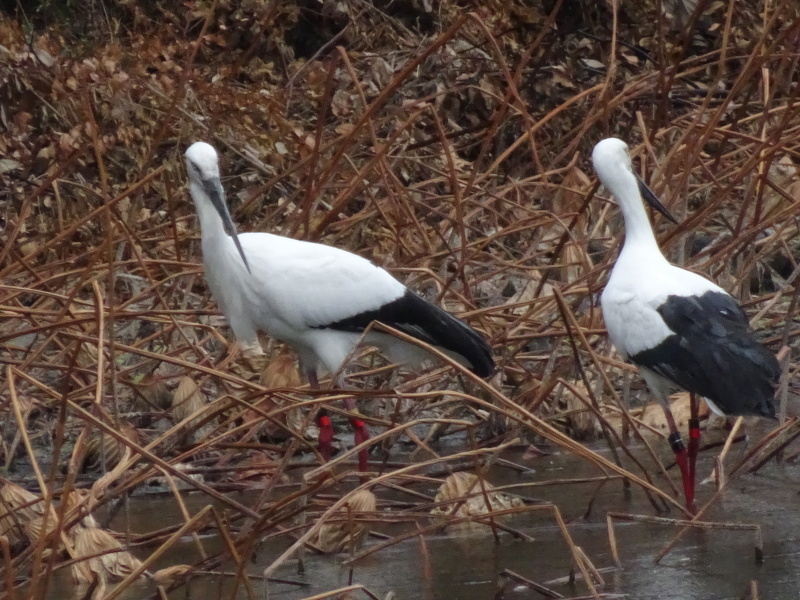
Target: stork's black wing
(714,353)
(427,322)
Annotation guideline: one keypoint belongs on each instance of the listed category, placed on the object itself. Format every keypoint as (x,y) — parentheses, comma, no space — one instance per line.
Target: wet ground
(704,564)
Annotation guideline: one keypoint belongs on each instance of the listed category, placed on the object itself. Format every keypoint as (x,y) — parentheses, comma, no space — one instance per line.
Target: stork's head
(202,162)
(610,158)
(613,165)
(202,166)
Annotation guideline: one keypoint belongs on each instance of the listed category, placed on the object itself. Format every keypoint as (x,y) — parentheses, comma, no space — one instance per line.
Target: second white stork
(680,329)
(318,299)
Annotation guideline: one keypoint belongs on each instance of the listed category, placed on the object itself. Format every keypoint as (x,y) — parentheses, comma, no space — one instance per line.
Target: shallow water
(704,564)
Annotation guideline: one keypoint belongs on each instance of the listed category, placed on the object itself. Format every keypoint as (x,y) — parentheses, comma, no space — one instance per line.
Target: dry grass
(452,151)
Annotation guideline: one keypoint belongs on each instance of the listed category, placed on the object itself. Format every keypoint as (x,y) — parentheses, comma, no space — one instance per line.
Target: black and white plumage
(713,353)
(316,298)
(679,328)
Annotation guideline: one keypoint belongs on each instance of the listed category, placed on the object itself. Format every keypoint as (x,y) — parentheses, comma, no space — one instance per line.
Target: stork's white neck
(210,221)
(639,236)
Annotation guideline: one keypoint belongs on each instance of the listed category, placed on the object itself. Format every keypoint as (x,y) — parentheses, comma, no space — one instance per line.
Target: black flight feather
(714,353)
(427,322)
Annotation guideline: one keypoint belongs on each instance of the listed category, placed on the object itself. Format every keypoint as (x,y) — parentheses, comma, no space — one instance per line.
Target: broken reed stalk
(719,460)
(538,587)
(571,324)
(694,524)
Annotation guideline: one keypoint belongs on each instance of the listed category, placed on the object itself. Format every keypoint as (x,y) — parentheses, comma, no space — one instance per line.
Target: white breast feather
(631,299)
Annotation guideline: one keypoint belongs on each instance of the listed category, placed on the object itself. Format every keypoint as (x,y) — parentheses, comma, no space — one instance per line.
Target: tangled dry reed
(452,152)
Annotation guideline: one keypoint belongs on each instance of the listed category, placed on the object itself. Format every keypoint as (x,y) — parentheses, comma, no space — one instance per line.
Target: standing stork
(318,299)
(678,328)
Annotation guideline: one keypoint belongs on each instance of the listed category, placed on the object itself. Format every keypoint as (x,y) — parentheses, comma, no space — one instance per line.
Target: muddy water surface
(704,565)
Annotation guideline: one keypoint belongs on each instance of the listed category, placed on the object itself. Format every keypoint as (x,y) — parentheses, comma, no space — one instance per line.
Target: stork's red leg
(694,437)
(360,434)
(682,460)
(325,439)
(325,434)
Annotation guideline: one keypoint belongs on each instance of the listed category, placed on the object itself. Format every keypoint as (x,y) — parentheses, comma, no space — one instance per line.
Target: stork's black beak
(213,187)
(651,199)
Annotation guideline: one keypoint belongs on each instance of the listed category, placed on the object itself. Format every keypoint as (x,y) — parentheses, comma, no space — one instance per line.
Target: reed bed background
(445,141)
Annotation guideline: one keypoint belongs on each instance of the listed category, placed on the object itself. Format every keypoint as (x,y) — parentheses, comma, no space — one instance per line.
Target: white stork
(680,329)
(316,298)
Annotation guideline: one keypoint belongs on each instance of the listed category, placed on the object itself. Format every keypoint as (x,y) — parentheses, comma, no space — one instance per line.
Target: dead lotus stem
(100,315)
(93,215)
(719,467)
(340,593)
(634,424)
(593,407)
(383,164)
(381,99)
(359,178)
(187,365)
(206,513)
(181,88)
(21,424)
(775,449)
(421,531)
(24,212)
(542,589)
(552,482)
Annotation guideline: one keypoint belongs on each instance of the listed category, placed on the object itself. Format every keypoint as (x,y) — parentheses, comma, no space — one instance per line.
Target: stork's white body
(302,302)
(642,280)
(318,299)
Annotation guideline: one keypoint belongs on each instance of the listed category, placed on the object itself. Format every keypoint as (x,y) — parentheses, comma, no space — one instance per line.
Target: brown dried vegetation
(464,495)
(346,528)
(446,141)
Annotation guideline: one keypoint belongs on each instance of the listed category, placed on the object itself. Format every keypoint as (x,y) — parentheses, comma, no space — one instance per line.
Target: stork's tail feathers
(431,324)
(428,323)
